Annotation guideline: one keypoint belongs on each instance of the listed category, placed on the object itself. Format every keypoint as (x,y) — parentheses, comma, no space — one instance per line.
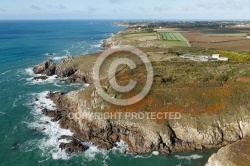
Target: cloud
(160,9)
(2,10)
(142,9)
(223,4)
(206,5)
(93,9)
(186,8)
(35,7)
(61,7)
(117,10)
(116,1)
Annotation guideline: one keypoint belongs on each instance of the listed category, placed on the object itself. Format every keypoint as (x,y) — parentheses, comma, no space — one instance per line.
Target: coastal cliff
(211,97)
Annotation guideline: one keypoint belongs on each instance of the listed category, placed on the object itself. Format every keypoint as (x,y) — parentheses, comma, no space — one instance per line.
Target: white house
(223,59)
(215,56)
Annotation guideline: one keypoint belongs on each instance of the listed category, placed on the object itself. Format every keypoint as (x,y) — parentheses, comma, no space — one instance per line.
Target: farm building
(217,57)
(204,58)
(187,56)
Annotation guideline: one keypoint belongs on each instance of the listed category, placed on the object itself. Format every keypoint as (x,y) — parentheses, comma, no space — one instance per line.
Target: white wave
(5,72)
(50,144)
(30,71)
(50,54)
(97,45)
(43,102)
(16,100)
(156,153)
(2,113)
(143,156)
(50,79)
(121,147)
(91,153)
(57,58)
(29,146)
(191,157)
(67,52)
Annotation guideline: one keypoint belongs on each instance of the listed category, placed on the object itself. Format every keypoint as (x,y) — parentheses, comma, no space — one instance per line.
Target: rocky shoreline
(173,136)
(217,126)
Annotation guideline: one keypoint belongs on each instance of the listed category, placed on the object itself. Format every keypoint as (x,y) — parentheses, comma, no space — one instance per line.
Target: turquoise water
(28,137)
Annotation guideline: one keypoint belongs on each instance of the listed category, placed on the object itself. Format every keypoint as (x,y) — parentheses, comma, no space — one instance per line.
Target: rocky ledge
(69,74)
(108,43)
(47,68)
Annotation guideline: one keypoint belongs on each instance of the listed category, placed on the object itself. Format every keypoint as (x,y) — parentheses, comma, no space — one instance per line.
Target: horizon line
(122,19)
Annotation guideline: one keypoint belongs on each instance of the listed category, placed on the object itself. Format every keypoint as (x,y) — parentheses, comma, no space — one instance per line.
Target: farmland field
(237,32)
(139,35)
(171,43)
(220,42)
(173,36)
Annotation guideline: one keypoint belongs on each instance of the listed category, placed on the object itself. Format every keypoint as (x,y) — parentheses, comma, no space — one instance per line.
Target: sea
(29,138)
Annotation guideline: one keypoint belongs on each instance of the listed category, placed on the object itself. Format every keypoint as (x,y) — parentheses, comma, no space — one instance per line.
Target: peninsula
(211,95)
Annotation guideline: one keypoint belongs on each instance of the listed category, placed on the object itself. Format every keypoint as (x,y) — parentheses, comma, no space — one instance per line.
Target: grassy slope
(192,88)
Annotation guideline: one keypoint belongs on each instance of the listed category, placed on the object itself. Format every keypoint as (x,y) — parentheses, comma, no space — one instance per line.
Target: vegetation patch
(234,56)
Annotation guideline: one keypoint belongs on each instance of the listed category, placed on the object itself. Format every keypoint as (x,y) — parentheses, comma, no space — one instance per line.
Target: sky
(126,9)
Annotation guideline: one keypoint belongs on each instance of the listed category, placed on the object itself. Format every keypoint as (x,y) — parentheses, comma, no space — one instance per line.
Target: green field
(171,43)
(140,34)
(173,36)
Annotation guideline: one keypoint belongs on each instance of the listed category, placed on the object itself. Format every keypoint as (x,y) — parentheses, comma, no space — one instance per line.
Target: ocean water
(26,136)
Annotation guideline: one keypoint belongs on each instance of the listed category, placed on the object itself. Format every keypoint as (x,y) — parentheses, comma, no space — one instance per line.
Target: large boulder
(47,68)
(236,154)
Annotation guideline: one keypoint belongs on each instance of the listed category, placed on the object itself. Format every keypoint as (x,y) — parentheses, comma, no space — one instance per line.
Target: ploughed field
(221,38)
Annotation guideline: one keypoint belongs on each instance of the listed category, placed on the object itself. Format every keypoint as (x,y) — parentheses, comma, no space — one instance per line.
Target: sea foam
(52,130)
(191,157)
(49,144)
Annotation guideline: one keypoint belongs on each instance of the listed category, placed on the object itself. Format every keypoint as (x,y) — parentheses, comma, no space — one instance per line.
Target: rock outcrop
(47,68)
(236,154)
(69,73)
(108,43)
(40,78)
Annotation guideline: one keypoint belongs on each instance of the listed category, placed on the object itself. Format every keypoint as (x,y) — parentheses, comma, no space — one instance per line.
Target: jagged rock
(107,44)
(48,68)
(56,115)
(40,78)
(50,54)
(73,146)
(63,71)
(80,77)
